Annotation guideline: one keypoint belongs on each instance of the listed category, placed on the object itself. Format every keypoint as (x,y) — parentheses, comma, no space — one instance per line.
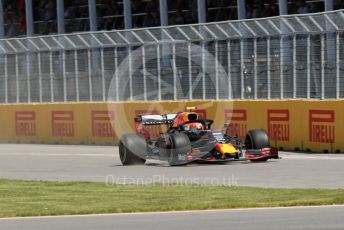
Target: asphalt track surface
(102,164)
(315,218)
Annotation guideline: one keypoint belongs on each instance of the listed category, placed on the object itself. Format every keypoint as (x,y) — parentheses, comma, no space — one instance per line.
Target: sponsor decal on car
(154,130)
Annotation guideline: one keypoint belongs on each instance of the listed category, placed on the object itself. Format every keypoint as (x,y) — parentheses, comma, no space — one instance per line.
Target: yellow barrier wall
(292,124)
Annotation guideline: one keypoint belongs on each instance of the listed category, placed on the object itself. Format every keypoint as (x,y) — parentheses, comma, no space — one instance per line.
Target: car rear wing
(155,119)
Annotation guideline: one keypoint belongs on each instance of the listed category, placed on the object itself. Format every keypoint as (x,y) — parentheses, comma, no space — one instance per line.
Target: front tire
(257,139)
(131,147)
(180,147)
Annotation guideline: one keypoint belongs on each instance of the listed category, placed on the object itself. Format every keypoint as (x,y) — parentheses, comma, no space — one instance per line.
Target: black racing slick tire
(180,147)
(132,149)
(257,139)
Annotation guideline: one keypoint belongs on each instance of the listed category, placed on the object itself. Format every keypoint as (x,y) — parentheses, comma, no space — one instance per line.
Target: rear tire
(180,146)
(257,139)
(130,146)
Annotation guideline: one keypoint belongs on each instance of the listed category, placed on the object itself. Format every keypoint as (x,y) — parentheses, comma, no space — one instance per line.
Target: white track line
(313,157)
(60,154)
(171,212)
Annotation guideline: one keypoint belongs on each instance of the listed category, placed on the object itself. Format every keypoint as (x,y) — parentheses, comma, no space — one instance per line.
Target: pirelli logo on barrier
(238,121)
(278,124)
(321,126)
(153,130)
(62,123)
(102,124)
(25,123)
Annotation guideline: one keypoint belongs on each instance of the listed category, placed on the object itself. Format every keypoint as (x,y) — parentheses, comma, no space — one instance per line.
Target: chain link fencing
(296,56)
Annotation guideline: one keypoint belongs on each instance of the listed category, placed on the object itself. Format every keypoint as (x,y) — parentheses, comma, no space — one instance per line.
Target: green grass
(36,198)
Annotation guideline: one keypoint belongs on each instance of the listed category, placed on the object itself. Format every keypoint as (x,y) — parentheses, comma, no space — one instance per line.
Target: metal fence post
(202,14)
(242,82)
(92,11)
(174,69)
(281,68)
(52,96)
(2,27)
(90,86)
(283,7)
(60,16)
(330,36)
(159,71)
(190,70)
(6,78)
(166,52)
(337,66)
(229,66)
(268,44)
(94,54)
(144,72)
(163,13)
(128,18)
(102,72)
(28,70)
(130,74)
(116,73)
(323,66)
(64,76)
(294,66)
(217,70)
(255,76)
(40,77)
(308,66)
(17,79)
(203,71)
(76,69)
(241,5)
(29,18)
(328,5)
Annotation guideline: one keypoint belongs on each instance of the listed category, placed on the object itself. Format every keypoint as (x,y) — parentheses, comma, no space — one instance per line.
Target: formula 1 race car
(189,138)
